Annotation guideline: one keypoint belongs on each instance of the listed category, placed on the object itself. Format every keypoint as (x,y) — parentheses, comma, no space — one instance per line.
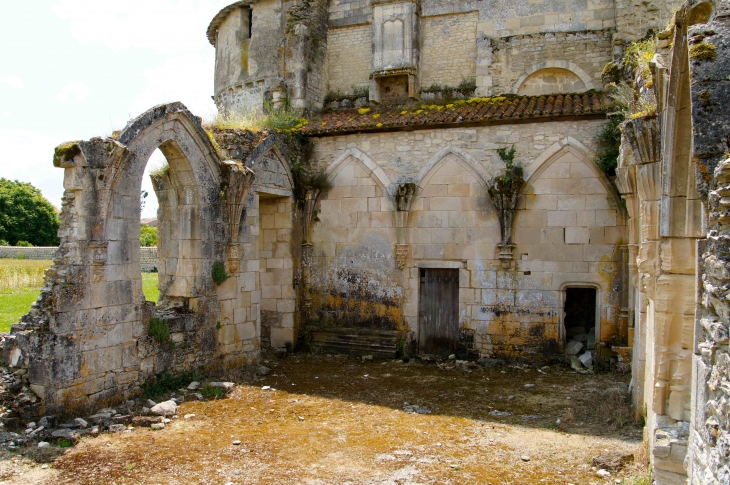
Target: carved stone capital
(401,255)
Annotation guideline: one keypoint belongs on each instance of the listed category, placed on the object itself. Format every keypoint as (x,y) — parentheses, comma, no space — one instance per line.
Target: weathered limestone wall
(634,18)
(569,230)
(350,56)
(246,68)
(668,169)
(710,87)
(449,49)
(86,342)
(147,256)
(583,53)
(39,253)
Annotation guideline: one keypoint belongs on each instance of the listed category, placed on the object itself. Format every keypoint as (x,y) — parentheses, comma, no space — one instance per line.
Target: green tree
(25,215)
(147,236)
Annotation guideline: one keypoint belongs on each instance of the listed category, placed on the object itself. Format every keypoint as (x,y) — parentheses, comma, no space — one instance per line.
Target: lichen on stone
(703,52)
(65,153)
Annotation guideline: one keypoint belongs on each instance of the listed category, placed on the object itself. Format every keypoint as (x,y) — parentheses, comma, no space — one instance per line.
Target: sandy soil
(330,420)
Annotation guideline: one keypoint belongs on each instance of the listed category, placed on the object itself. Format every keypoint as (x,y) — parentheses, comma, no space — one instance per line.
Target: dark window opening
(580,322)
(250,22)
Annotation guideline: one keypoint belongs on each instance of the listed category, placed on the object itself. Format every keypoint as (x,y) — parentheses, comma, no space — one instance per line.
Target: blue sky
(75,69)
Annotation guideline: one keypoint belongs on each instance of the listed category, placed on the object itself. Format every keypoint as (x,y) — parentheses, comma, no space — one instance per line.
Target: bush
(147,236)
(20,256)
(219,273)
(159,329)
(3,242)
(23,244)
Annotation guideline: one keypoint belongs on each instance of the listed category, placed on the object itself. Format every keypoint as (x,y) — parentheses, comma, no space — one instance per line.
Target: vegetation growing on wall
(608,144)
(513,177)
(219,273)
(159,329)
(285,119)
(465,89)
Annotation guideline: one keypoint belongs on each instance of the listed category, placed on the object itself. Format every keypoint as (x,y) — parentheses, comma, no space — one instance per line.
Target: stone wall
(449,49)
(635,18)
(39,253)
(350,56)
(584,54)
(568,232)
(669,167)
(710,423)
(147,256)
(86,341)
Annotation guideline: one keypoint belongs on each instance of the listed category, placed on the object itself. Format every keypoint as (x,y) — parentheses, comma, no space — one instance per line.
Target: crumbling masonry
(422,234)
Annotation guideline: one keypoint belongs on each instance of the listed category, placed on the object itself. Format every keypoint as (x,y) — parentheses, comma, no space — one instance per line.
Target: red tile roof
(474,111)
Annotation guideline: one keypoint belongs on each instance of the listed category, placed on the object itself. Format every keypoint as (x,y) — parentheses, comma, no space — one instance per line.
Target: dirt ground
(337,420)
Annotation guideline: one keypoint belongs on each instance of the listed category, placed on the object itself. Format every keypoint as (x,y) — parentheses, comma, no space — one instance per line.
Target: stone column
(403,201)
(239,181)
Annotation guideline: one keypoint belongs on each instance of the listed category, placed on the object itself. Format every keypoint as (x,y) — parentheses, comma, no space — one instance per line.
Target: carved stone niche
(395,53)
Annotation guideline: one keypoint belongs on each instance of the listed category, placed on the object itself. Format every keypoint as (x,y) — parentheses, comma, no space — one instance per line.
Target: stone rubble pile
(17,431)
(581,348)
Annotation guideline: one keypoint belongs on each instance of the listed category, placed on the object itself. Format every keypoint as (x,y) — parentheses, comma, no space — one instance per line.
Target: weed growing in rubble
(159,329)
(210,391)
(164,382)
(64,443)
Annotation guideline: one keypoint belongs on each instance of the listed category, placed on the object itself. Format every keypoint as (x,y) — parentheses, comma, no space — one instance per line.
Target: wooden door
(438,312)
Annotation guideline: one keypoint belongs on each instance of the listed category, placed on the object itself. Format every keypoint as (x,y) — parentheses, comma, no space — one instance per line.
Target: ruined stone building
(442,197)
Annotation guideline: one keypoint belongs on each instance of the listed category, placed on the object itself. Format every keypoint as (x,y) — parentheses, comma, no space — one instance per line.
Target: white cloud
(13,82)
(28,157)
(78,90)
(186,78)
(167,26)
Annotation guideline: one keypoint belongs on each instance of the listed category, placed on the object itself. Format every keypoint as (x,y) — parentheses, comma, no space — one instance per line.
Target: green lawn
(149,287)
(14,304)
(16,301)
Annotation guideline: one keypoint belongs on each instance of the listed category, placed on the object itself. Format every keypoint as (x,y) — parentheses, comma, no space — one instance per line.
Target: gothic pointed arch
(463,158)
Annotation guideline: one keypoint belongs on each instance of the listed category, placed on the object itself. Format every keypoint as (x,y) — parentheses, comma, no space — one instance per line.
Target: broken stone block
(582,338)
(575,364)
(194,386)
(226,386)
(66,434)
(167,408)
(573,347)
(487,362)
(586,359)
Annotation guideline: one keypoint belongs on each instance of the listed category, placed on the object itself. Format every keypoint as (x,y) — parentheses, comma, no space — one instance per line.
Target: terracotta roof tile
(477,110)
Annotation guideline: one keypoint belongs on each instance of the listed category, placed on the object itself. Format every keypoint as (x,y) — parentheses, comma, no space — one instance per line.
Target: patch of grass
(64,443)
(164,382)
(159,329)
(286,119)
(610,407)
(210,391)
(20,283)
(14,304)
(149,287)
(17,274)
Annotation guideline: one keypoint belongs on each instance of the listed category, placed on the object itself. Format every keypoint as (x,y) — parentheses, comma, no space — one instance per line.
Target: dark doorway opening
(580,321)
(438,312)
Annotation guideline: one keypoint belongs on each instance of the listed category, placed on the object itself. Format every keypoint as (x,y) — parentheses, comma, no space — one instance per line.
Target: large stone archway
(87,340)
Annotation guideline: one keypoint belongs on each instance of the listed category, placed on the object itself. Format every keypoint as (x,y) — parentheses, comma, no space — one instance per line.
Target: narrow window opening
(250,22)
(148,235)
